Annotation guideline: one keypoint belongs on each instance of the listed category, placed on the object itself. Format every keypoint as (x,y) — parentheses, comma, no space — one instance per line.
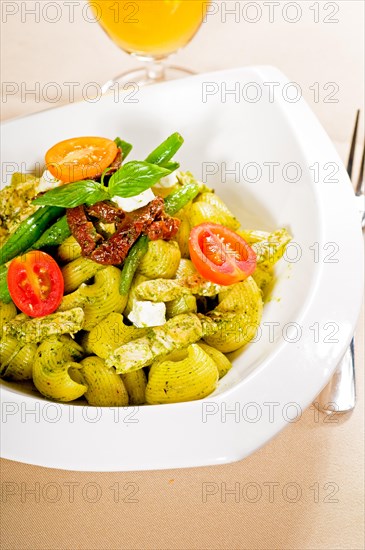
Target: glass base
(149,74)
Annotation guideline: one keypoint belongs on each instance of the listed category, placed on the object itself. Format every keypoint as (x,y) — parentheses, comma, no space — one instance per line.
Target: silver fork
(339,396)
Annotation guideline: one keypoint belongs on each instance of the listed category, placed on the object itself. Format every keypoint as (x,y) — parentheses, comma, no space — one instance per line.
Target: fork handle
(339,396)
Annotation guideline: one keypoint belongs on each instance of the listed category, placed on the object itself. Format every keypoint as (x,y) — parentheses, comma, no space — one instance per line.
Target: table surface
(307,484)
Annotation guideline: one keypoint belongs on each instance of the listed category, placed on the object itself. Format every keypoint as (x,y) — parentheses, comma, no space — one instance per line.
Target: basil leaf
(164,152)
(124,146)
(96,196)
(135,177)
(73,194)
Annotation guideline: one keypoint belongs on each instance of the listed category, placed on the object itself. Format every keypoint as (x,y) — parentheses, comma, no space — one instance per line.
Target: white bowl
(305,328)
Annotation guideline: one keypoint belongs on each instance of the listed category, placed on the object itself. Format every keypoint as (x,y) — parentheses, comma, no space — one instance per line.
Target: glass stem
(155,70)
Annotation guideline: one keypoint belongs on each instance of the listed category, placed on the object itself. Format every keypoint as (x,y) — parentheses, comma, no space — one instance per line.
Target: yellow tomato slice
(80,158)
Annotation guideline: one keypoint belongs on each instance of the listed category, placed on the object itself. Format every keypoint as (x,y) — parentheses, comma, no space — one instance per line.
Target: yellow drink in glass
(150,28)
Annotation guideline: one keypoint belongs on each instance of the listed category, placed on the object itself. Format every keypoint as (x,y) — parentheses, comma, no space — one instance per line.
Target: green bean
(54,235)
(171,165)
(164,152)
(124,146)
(28,232)
(180,198)
(131,262)
(4,291)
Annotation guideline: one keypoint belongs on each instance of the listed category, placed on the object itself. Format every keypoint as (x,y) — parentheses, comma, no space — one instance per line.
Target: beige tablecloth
(306,487)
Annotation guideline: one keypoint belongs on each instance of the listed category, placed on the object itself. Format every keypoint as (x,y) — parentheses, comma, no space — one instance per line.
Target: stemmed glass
(150,30)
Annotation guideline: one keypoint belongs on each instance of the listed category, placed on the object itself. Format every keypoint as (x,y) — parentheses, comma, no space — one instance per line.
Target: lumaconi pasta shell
(105,388)
(161,260)
(264,279)
(136,383)
(51,371)
(7,313)
(69,250)
(21,366)
(269,247)
(222,362)
(185,269)
(182,235)
(237,317)
(78,271)
(98,299)
(83,339)
(162,191)
(253,236)
(137,280)
(69,301)
(228,219)
(9,347)
(111,333)
(192,378)
(70,345)
(185,304)
(177,355)
(201,212)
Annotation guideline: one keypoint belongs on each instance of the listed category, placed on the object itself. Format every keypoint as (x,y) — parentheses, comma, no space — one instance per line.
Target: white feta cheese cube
(167,181)
(132,203)
(148,314)
(47,182)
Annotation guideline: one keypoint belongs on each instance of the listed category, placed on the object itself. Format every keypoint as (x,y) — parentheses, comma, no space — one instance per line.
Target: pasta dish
(125,282)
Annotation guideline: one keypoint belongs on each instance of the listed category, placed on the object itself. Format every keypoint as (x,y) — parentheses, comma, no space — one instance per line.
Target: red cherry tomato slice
(35,283)
(220,255)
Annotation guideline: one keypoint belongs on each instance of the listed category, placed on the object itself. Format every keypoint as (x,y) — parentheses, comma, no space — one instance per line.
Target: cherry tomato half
(80,158)
(35,283)
(220,255)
